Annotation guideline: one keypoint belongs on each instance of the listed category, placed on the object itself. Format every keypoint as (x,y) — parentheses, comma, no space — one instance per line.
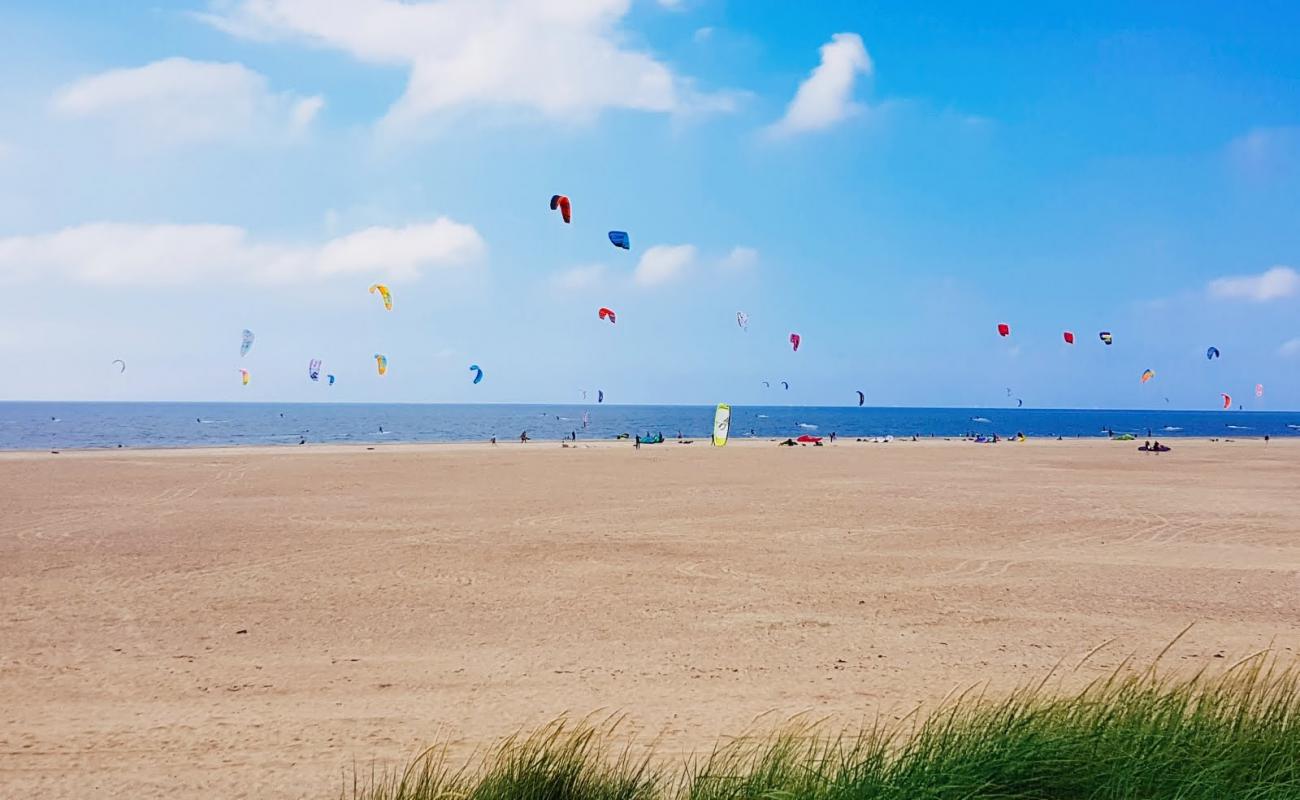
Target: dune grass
(1234,734)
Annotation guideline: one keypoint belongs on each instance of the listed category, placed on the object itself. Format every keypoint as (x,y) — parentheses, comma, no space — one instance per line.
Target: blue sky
(889,180)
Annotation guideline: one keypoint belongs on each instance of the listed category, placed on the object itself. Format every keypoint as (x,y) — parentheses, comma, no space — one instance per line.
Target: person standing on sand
(523,437)
(636,442)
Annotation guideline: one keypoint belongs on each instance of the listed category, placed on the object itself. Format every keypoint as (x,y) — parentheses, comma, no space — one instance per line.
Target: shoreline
(610,444)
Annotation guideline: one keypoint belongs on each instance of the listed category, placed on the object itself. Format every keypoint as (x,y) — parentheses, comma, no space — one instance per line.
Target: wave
(980,419)
(1171,428)
(806,425)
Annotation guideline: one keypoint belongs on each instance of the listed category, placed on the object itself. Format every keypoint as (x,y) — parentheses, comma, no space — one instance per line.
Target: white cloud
(663,263)
(740,259)
(578,278)
(122,254)
(672,5)
(559,58)
(179,100)
(1268,285)
(1290,349)
(826,97)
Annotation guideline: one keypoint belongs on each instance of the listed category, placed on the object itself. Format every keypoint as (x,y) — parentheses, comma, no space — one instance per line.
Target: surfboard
(721,425)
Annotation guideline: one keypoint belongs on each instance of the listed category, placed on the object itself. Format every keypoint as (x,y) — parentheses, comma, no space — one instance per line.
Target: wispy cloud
(1271,284)
(177,101)
(663,264)
(128,254)
(740,259)
(826,96)
(578,278)
(1290,348)
(560,59)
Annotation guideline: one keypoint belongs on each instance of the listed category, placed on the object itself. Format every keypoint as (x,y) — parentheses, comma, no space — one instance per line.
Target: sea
(90,425)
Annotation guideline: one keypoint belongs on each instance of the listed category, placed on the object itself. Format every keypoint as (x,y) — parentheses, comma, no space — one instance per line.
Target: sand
(255,622)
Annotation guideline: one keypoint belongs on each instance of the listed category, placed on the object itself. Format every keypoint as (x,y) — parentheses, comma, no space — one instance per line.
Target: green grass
(1233,735)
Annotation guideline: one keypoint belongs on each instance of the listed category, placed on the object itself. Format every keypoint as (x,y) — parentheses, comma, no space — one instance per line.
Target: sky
(889,180)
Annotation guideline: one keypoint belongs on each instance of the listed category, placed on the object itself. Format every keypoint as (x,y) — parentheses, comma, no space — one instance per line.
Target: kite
(862,398)
(123,363)
(1211,353)
(246,343)
(1019,402)
(1068,336)
(381,362)
(562,203)
(1004,329)
(794,341)
(1227,400)
(1148,375)
(1106,337)
(331,379)
(721,425)
(384,293)
(1259,390)
(605,313)
(619,239)
(313,369)
(786,385)
(584,393)
(742,319)
(600,395)
(478,372)
(767,385)
(243,375)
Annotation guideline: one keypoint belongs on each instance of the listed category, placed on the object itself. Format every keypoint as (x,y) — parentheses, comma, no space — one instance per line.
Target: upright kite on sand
(721,425)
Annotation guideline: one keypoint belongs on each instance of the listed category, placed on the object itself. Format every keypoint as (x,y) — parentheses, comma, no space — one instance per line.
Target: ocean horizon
(39,425)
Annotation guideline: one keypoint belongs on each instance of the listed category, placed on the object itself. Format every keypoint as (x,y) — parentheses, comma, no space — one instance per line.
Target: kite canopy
(381,363)
(1259,390)
(1148,375)
(786,385)
(806,439)
(384,293)
(862,398)
(1211,353)
(1004,329)
(243,376)
(794,341)
(1068,336)
(562,203)
(600,395)
(721,425)
(1106,337)
(331,379)
(620,239)
(246,342)
(478,372)
(123,363)
(742,319)
(1227,400)
(313,369)
(605,313)
(767,385)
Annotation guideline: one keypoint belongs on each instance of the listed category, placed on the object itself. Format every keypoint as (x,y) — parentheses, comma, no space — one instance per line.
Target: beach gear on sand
(721,425)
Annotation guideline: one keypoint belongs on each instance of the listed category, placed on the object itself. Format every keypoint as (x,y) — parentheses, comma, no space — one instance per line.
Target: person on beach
(636,442)
(494,440)
(832,437)
(523,437)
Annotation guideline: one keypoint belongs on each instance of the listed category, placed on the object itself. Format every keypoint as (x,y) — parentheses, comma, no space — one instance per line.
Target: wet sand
(254,622)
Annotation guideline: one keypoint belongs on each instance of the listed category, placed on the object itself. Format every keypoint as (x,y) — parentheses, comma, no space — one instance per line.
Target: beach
(258,622)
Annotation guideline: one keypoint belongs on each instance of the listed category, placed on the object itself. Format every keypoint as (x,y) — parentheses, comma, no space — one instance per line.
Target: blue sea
(41,426)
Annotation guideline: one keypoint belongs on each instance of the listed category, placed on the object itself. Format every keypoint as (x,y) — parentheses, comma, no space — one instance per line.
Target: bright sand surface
(255,622)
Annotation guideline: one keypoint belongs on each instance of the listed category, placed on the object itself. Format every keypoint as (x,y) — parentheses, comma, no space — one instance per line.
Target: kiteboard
(721,425)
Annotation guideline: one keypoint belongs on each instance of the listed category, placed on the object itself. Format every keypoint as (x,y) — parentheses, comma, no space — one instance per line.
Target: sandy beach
(257,622)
